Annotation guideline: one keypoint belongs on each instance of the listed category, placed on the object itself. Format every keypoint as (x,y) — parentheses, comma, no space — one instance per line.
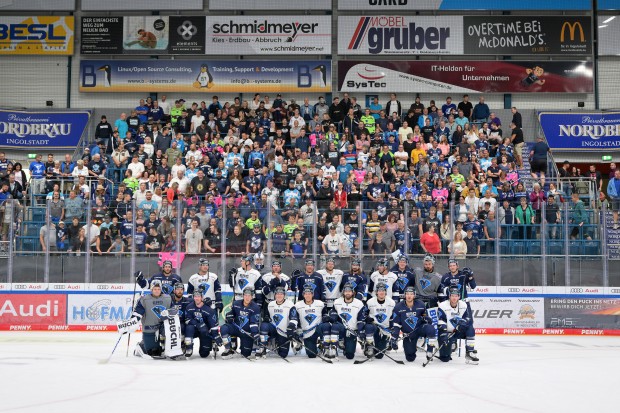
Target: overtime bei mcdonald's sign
(572,27)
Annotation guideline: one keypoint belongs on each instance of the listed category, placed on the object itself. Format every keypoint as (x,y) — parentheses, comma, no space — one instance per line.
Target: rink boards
(508,310)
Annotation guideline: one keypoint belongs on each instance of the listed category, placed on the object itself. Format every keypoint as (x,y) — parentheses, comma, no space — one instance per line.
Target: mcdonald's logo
(572,27)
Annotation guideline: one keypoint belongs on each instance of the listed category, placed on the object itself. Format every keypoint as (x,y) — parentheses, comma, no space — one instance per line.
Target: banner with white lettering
(582,312)
(426,76)
(254,35)
(404,35)
(508,312)
(42,129)
(413,5)
(581,130)
(36,35)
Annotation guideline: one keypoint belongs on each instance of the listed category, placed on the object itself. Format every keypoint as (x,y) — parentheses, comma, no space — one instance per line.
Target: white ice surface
(59,372)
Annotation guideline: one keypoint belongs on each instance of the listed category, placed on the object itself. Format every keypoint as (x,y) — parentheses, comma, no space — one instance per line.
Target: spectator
(481,111)
(524,218)
(458,247)
(430,241)
(538,159)
(579,218)
(47,237)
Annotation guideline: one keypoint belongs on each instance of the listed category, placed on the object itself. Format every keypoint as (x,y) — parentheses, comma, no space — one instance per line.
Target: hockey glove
(333,316)
(218,341)
(290,331)
(219,306)
(231,277)
(139,276)
(428,320)
(394,343)
(230,317)
(207,301)
(256,339)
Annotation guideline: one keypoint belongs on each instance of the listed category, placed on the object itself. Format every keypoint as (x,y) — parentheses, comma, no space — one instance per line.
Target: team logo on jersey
(411,322)
(242,283)
(205,287)
(331,285)
(310,318)
(167,288)
(353,284)
(243,320)
(277,319)
(199,318)
(381,317)
(157,310)
(401,283)
(455,320)
(425,283)
(346,316)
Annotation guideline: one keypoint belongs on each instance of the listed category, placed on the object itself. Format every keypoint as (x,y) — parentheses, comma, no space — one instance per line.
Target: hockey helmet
(248,291)
(276,262)
(259,261)
(347,287)
(404,258)
(155,283)
(203,261)
(382,262)
(309,261)
(330,259)
(356,261)
(430,258)
(279,290)
(197,292)
(308,289)
(166,262)
(179,285)
(453,261)
(247,257)
(454,291)
(381,287)
(409,289)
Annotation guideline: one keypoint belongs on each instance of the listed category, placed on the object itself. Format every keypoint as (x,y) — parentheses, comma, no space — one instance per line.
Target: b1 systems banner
(310,76)
(465,76)
(270,5)
(42,129)
(394,5)
(253,35)
(524,35)
(36,35)
(142,35)
(581,131)
(410,35)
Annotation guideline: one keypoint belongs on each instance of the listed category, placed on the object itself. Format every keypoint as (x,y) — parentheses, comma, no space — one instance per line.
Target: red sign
(29,309)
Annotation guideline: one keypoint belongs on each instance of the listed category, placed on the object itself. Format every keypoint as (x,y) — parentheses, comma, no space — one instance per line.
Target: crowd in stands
(276,168)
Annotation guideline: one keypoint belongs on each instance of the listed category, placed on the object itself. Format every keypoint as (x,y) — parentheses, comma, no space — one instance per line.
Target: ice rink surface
(60,372)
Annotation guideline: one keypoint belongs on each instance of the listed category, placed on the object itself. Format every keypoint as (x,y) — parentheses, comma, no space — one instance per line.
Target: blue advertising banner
(310,76)
(581,131)
(400,5)
(42,129)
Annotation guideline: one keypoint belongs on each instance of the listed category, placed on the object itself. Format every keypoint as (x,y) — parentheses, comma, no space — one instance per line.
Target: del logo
(393,34)
(572,27)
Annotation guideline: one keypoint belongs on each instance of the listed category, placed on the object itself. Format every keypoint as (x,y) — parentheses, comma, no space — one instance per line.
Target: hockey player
(275,326)
(379,321)
(167,278)
(242,321)
(244,276)
(456,321)
(428,282)
(201,321)
(410,318)
(209,283)
(309,278)
(456,278)
(332,279)
(310,317)
(148,312)
(268,283)
(357,279)
(179,303)
(405,276)
(348,323)
(383,275)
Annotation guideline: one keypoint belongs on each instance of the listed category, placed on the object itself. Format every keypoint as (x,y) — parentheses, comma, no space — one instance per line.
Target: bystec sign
(375,35)
(581,131)
(36,35)
(253,35)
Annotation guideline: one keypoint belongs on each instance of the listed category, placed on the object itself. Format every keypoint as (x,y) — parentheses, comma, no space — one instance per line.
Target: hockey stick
(261,345)
(362,343)
(133,301)
(438,349)
(316,354)
(106,361)
(383,352)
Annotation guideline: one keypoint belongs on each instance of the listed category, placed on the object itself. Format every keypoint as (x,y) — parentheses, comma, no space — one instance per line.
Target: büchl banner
(311,76)
(36,35)
(527,35)
(364,35)
(581,130)
(253,35)
(42,129)
(142,35)
(397,5)
(420,76)
(270,5)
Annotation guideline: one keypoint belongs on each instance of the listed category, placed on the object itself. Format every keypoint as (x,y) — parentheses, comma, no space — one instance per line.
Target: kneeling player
(455,321)
(279,312)
(410,318)
(242,321)
(379,326)
(201,321)
(348,324)
(308,317)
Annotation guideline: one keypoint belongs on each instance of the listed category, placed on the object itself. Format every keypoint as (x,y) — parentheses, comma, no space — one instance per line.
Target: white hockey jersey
(279,314)
(381,313)
(388,279)
(350,313)
(332,283)
(310,316)
(449,315)
(244,279)
(267,279)
(207,282)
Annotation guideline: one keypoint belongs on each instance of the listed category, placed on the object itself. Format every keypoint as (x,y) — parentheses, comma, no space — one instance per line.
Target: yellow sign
(572,27)
(36,35)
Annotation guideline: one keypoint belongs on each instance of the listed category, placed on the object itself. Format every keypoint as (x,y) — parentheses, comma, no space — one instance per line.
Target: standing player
(385,276)
(268,283)
(357,279)
(405,276)
(310,317)
(309,278)
(456,278)
(209,283)
(348,318)
(201,321)
(428,282)
(242,321)
(279,312)
(242,277)
(167,278)
(456,321)
(410,318)
(379,321)
(332,279)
